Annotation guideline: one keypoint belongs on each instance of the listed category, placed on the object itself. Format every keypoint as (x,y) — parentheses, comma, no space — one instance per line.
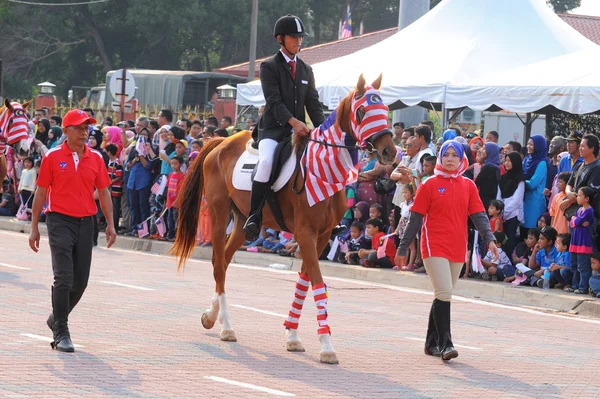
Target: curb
(552,300)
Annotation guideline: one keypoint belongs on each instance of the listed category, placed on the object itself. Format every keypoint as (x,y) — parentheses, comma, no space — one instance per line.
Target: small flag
(347,25)
(159,187)
(140,147)
(160,226)
(382,245)
(142,229)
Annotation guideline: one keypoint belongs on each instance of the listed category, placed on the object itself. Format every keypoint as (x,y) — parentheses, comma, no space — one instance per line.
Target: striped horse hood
(14,126)
(369,115)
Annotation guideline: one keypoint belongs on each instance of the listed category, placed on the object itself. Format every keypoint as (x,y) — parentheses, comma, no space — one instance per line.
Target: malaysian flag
(18,130)
(159,186)
(160,226)
(347,25)
(383,241)
(142,229)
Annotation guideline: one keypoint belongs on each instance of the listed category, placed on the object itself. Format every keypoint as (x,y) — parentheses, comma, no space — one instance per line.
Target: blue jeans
(595,284)
(273,246)
(139,203)
(562,276)
(172,222)
(582,272)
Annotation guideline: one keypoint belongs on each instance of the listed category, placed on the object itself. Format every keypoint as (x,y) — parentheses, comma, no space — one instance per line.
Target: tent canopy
(454,44)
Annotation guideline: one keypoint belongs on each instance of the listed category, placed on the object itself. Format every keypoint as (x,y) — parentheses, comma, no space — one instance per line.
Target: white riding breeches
(266,151)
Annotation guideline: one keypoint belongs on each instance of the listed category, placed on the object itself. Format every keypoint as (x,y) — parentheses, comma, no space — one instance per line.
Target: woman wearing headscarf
(43,127)
(512,191)
(442,205)
(174,135)
(489,176)
(448,135)
(95,142)
(535,169)
(475,144)
(54,136)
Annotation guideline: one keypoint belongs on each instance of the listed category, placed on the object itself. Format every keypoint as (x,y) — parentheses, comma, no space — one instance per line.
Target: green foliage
(562,6)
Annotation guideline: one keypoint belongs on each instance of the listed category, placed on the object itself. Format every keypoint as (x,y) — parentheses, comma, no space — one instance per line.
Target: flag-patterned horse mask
(14,127)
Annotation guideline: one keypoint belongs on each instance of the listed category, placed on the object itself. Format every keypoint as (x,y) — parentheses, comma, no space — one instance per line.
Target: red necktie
(292,65)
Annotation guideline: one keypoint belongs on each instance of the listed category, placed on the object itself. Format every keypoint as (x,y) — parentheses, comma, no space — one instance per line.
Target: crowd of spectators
(542,198)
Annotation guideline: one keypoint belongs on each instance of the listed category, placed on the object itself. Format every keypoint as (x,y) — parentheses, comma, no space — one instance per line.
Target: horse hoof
(329,358)
(206,323)
(294,346)
(228,335)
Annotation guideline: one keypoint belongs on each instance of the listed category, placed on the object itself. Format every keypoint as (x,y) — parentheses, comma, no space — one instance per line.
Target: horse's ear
(360,86)
(377,82)
(7,104)
(27,104)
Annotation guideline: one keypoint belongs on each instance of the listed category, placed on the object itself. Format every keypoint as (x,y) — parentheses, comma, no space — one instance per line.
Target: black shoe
(50,321)
(63,344)
(252,228)
(257,201)
(431,339)
(441,316)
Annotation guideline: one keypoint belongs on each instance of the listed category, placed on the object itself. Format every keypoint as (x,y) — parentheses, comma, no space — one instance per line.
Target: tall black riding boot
(257,201)
(60,327)
(74,298)
(431,340)
(441,315)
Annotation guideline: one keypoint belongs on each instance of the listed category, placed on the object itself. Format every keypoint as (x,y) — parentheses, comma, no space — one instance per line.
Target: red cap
(76,117)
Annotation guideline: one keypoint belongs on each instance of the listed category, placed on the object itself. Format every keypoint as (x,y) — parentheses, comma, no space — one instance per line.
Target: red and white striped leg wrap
(299,296)
(320,294)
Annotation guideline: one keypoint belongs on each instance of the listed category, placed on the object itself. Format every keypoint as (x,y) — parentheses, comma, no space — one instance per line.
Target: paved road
(139,335)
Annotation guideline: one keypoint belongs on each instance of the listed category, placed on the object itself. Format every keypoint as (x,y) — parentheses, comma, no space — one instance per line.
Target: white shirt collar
(287,59)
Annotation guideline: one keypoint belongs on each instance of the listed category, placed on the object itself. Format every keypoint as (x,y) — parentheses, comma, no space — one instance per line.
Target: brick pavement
(150,343)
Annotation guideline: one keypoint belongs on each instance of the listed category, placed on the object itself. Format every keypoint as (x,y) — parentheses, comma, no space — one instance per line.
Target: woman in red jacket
(442,202)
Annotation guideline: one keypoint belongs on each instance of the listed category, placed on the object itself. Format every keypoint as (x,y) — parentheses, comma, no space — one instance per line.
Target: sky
(588,7)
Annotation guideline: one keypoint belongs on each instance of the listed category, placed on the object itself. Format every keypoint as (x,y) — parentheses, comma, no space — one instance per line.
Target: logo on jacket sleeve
(63,165)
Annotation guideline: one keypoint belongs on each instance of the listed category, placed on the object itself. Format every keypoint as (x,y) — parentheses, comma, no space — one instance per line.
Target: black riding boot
(441,315)
(431,340)
(60,326)
(74,298)
(257,201)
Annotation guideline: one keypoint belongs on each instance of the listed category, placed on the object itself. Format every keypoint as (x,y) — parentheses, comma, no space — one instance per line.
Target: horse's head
(14,127)
(368,120)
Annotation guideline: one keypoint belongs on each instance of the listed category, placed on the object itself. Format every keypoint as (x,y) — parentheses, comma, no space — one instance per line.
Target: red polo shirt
(70,181)
(445,205)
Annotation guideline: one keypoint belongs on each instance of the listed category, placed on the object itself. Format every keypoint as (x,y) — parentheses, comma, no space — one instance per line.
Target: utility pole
(408,12)
(253,29)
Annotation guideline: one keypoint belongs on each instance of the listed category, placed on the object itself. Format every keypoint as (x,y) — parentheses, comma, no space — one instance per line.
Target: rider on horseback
(288,85)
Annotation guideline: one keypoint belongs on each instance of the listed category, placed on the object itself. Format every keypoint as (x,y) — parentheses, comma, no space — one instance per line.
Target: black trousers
(71,249)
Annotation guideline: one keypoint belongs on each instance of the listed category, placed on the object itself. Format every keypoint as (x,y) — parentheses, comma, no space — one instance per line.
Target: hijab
(540,152)
(96,134)
(178,134)
(363,207)
(460,139)
(473,140)
(464,163)
(57,132)
(448,135)
(114,134)
(43,137)
(509,182)
(492,155)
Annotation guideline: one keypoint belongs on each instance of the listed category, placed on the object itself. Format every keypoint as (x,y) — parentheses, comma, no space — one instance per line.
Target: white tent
(456,43)
(570,83)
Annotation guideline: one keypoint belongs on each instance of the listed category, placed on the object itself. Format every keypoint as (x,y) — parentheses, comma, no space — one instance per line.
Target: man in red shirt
(68,176)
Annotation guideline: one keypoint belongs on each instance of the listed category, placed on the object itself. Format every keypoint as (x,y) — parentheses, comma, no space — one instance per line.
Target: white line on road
(249,386)
(47,339)
(14,267)
(456,345)
(135,287)
(260,311)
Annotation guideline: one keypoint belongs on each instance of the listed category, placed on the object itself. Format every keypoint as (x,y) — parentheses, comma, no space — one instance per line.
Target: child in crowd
(370,258)
(561,275)
(501,268)
(595,278)
(115,172)
(428,168)
(581,242)
(544,255)
(408,192)
(181,148)
(174,183)
(376,212)
(495,210)
(356,242)
(544,221)
(350,201)
(27,182)
(390,228)
(559,221)
(523,250)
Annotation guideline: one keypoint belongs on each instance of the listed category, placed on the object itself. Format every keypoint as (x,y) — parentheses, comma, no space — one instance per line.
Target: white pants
(266,151)
(443,275)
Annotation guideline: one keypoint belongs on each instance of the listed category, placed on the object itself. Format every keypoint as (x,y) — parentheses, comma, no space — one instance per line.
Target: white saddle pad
(242,172)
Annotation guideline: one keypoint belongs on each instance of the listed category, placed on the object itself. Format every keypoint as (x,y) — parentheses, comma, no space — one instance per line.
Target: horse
(363,114)
(14,131)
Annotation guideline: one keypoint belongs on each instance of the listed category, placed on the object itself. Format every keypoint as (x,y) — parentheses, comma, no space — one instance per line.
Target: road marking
(456,345)
(14,267)
(260,311)
(47,339)
(135,287)
(249,386)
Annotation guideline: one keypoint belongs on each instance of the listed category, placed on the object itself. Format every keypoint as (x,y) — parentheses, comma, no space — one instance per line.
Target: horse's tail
(189,198)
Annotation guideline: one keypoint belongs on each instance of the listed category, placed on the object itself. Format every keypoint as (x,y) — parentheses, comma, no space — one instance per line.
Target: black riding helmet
(289,25)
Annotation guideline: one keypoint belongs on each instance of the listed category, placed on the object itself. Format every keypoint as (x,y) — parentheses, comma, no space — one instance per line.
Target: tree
(563,6)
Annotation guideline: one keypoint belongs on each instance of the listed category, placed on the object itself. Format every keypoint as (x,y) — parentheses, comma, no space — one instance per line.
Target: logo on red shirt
(63,165)
(442,190)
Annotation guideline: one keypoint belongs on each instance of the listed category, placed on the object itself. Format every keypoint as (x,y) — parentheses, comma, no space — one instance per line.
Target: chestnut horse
(363,114)
(13,131)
